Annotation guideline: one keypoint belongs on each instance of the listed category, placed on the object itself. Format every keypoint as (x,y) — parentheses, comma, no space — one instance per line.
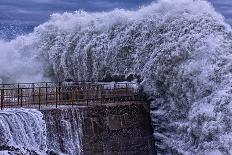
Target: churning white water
(23,128)
(182,48)
(27,131)
(64,131)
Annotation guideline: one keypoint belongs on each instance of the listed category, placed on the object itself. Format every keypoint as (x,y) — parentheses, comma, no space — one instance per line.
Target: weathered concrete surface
(110,129)
(117,129)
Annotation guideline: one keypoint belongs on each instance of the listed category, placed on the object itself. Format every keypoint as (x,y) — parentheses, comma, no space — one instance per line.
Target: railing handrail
(21,94)
(60,82)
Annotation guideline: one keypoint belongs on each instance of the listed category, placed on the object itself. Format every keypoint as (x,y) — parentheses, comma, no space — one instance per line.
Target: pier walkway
(55,94)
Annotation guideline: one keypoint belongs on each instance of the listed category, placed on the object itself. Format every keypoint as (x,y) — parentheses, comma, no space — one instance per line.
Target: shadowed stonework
(123,128)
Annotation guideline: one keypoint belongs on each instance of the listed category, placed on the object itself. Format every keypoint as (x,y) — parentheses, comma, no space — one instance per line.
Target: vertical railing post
(59,92)
(101,93)
(39,98)
(72,89)
(114,92)
(87,94)
(46,93)
(127,93)
(33,94)
(21,97)
(18,94)
(2,98)
(57,97)
(97,99)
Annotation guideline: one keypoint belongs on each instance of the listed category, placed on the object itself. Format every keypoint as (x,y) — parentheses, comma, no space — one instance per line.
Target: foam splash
(18,61)
(181,48)
(69,132)
(23,128)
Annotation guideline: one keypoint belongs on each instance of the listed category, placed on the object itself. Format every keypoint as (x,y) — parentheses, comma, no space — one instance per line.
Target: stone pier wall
(110,129)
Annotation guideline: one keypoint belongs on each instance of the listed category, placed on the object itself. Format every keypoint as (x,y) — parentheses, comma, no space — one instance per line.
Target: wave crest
(182,50)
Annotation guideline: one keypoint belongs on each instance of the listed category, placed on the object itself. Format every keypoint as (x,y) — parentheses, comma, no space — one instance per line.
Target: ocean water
(182,49)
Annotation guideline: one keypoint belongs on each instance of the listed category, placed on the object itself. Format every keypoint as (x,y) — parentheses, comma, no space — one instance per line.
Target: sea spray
(181,48)
(64,130)
(23,128)
(19,61)
(29,131)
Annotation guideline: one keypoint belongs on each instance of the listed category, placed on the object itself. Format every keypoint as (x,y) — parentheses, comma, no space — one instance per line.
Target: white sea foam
(23,128)
(182,49)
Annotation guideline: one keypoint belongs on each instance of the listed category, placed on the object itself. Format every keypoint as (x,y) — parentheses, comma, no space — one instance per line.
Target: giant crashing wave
(182,49)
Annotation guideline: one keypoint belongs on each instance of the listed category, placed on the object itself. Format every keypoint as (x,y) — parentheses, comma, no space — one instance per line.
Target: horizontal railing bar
(74,82)
(58,94)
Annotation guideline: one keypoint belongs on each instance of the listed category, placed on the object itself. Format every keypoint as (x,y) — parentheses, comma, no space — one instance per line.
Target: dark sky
(34,12)
(224,7)
(38,11)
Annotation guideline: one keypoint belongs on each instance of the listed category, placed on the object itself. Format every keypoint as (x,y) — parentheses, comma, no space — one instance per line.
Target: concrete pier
(122,128)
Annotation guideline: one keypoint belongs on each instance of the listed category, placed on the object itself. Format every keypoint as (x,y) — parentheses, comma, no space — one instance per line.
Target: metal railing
(45,94)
